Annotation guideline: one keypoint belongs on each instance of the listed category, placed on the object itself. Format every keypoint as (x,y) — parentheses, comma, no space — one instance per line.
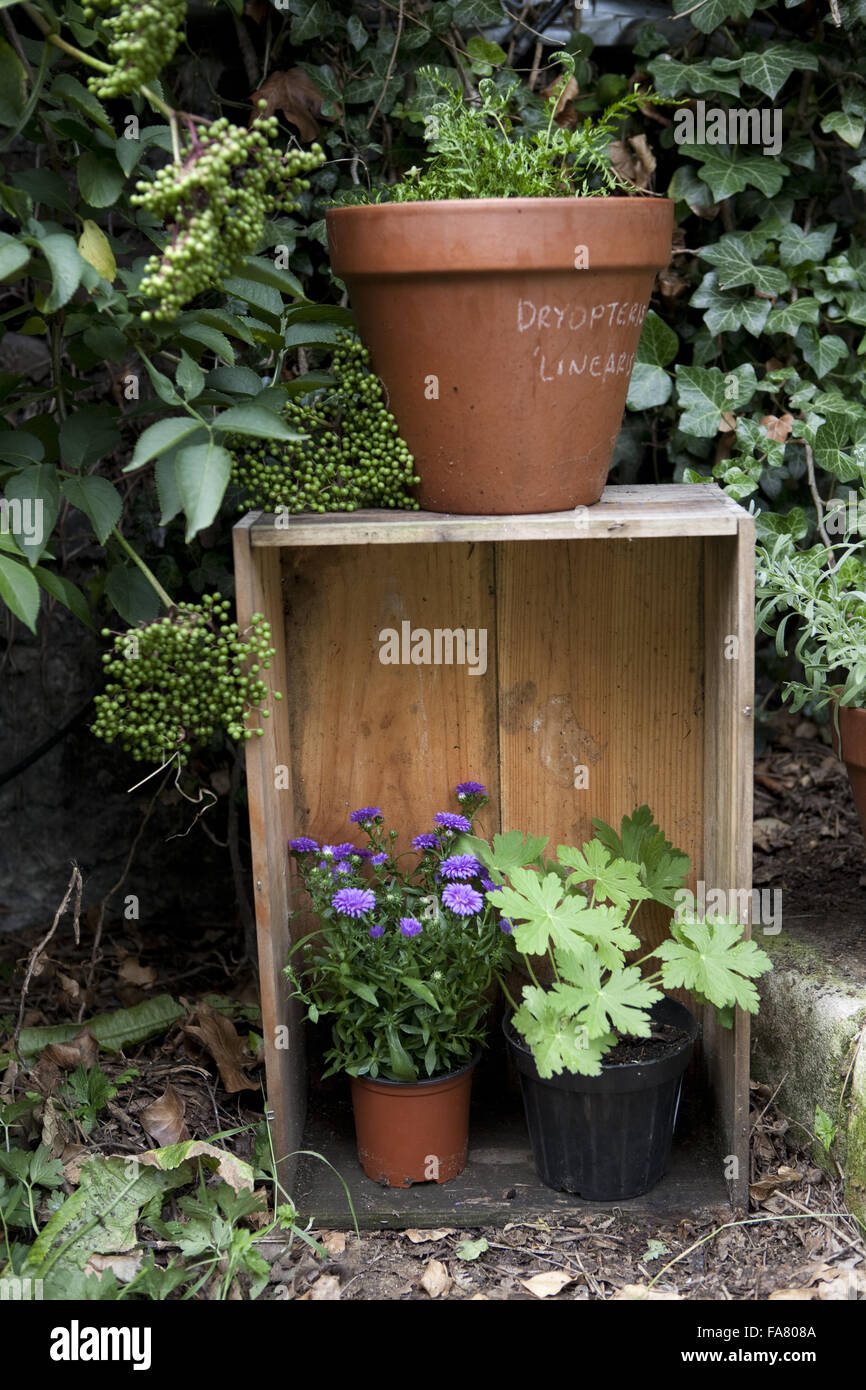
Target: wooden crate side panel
(400,736)
(729,610)
(600,673)
(258,588)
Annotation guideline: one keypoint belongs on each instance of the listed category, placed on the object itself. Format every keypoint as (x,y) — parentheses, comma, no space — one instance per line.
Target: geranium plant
(578,911)
(407,946)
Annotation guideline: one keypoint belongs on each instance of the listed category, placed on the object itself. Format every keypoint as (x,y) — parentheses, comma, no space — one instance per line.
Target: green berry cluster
(172,683)
(215,205)
(142,39)
(353,455)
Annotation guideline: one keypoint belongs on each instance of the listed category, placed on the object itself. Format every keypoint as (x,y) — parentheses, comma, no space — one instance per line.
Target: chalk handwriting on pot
(573,317)
(443,646)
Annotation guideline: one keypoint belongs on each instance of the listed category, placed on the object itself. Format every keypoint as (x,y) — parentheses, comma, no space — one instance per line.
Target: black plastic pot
(605,1137)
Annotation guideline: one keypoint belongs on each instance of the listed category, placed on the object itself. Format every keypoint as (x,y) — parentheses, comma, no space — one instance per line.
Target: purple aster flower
(376,932)
(364,853)
(303,845)
(462,899)
(506,925)
(490,887)
(380,858)
(364,814)
(460,866)
(452,822)
(354,902)
(344,867)
(425,842)
(470,789)
(410,926)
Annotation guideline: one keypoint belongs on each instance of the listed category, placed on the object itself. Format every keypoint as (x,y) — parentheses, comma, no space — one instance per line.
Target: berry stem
(148,573)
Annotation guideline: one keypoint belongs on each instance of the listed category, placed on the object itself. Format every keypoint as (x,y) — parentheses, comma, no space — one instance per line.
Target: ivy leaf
(712,13)
(734,262)
(850,126)
(202,472)
(19,591)
(726,175)
(769,68)
(99,500)
(704,393)
(658,342)
(671,78)
(797,246)
(713,961)
(832,448)
(648,387)
(822,351)
(787,318)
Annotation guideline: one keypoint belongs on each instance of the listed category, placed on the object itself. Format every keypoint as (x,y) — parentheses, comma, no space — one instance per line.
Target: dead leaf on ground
(163,1119)
(124,1267)
(134,973)
(421,1237)
(640,1293)
(221,1038)
(549,1284)
(81,1051)
(334,1242)
(766,1185)
(326,1289)
(68,985)
(435,1280)
(769,833)
(296,95)
(232,1170)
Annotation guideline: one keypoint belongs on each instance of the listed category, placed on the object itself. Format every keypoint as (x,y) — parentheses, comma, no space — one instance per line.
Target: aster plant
(408,945)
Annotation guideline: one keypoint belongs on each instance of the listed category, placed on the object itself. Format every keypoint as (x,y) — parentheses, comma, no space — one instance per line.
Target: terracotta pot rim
(482,204)
(386,1084)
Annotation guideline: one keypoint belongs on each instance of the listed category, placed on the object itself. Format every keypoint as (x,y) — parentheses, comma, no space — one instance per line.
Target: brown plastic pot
(413,1131)
(505,331)
(852,727)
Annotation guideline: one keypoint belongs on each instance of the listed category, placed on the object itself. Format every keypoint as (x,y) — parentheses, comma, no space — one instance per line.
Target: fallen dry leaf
(766,1185)
(334,1242)
(421,1237)
(296,95)
(134,973)
(769,832)
(549,1284)
(81,1051)
(778,427)
(221,1038)
(164,1118)
(435,1280)
(124,1267)
(791,1296)
(564,114)
(640,1292)
(326,1289)
(68,985)
(636,164)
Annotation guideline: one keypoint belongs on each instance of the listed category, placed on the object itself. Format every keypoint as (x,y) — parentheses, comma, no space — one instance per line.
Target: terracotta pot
(413,1131)
(506,366)
(852,727)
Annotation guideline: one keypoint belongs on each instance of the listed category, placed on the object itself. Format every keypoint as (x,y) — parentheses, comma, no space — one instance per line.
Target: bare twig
(813,488)
(392,60)
(74,887)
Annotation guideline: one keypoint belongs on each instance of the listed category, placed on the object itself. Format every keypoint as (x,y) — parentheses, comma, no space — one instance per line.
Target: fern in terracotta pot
(501,292)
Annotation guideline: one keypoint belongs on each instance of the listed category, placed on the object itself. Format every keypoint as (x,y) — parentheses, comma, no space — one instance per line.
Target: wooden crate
(619,648)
